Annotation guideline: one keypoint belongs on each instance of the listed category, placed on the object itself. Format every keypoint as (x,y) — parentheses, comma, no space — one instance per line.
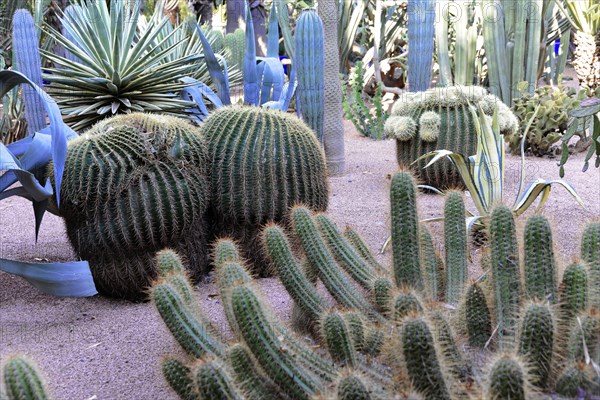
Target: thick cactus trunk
(421,15)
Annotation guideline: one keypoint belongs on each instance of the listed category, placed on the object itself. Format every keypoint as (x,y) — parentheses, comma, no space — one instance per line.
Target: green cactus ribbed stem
(225,251)
(193,336)
(229,275)
(429,264)
(144,181)
(590,254)
(179,378)
(455,241)
(301,290)
(540,265)
(334,278)
(505,270)
(537,340)
(338,339)
(374,339)
(352,388)
(168,262)
(254,384)
(573,379)
(507,379)
(405,231)
(453,356)
(183,287)
(477,315)
(574,289)
(214,383)
(422,361)
(588,331)
(361,248)
(343,253)
(265,345)
(382,294)
(406,303)
(235,43)
(357,329)
(22,381)
(263,162)
(441,270)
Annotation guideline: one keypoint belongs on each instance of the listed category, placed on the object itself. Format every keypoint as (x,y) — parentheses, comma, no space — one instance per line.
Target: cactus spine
(540,266)
(382,294)
(455,239)
(507,379)
(354,239)
(590,253)
(352,388)
(28,61)
(505,270)
(572,380)
(22,381)
(214,383)
(309,58)
(420,355)
(431,274)
(254,384)
(405,231)
(574,289)
(585,329)
(405,304)
(421,15)
(235,43)
(536,341)
(338,339)
(179,378)
(477,315)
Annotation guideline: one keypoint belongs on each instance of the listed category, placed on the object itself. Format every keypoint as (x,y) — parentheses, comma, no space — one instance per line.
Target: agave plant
(114,67)
(483,173)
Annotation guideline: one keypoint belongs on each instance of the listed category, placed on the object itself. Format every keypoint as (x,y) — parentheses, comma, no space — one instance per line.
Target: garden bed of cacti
(109,349)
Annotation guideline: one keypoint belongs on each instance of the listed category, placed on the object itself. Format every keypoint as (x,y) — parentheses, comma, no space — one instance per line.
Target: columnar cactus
(505,270)
(537,338)
(132,185)
(431,274)
(213,381)
(179,377)
(359,245)
(573,379)
(253,382)
(590,254)
(352,388)
(421,27)
(235,43)
(406,303)
(405,231)
(338,338)
(574,289)
(540,266)
(447,124)
(309,61)
(477,316)
(455,239)
(507,379)
(22,381)
(264,161)
(585,329)
(382,294)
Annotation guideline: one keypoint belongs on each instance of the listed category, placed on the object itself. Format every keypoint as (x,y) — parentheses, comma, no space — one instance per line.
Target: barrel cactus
(440,119)
(133,185)
(263,162)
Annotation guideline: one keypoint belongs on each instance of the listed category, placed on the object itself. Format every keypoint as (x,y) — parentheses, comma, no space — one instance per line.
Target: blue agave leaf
(286,95)
(251,88)
(73,279)
(214,68)
(273,34)
(272,78)
(196,92)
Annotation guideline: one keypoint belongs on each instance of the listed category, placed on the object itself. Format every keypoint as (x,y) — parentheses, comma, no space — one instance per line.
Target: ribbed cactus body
(422,360)
(225,250)
(133,185)
(505,270)
(22,381)
(374,339)
(429,266)
(477,316)
(574,289)
(507,379)
(405,231)
(573,379)
(445,337)
(590,254)
(585,329)
(382,294)
(357,329)
(338,338)
(455,240)
(26,51)
(537,340)
(263,162)
(361,248)
(309,61)
(540,266)
(235,43)
(352,388)
(406,303)
(214,383)
(455,129)
(179,377)
(169,262)
(421,27)
(254,384)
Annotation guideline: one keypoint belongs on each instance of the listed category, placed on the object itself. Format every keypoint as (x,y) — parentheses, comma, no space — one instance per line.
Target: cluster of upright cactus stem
(403,333)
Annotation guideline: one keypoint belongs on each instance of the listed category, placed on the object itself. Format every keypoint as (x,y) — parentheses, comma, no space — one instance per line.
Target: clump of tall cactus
(440,119)
(133,185)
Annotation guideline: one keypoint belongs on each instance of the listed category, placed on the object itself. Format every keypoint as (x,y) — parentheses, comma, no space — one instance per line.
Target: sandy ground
(98,348)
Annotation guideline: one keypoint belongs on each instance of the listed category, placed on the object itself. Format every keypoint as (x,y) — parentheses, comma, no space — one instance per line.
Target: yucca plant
(119,68)
(483,172)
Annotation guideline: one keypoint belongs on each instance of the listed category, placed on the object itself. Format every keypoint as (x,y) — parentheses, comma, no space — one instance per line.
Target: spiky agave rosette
(134,184)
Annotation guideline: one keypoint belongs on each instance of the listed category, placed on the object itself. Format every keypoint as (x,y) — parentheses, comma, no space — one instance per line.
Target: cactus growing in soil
(132,185)
(590,254)
(405,230)
(477,316)
(508,379)
(22,381)
(540,265)
(455,239)
(574,289)
(264,161)
(309,59)
(537,340)
(448,124)
(214,383)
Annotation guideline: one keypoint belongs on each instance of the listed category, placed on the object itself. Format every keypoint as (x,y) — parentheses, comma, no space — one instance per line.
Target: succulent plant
(573,379)
(507,379)
(433,278)
(540,265)
(179,377)
(22,380)
(448,124)
(585,331)
(264,161)
(133,185)
(235,44)
(421,26)
(574,289)
(590,254)
(455,238)
(537,340)
(477,316)
(352,388)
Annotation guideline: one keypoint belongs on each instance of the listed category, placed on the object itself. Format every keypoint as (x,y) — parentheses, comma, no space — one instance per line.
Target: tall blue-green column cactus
(310,66)
(421,15)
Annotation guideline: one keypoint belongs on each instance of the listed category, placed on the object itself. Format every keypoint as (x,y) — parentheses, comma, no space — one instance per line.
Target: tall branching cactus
(27,61)
(421,18)
(309,59)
